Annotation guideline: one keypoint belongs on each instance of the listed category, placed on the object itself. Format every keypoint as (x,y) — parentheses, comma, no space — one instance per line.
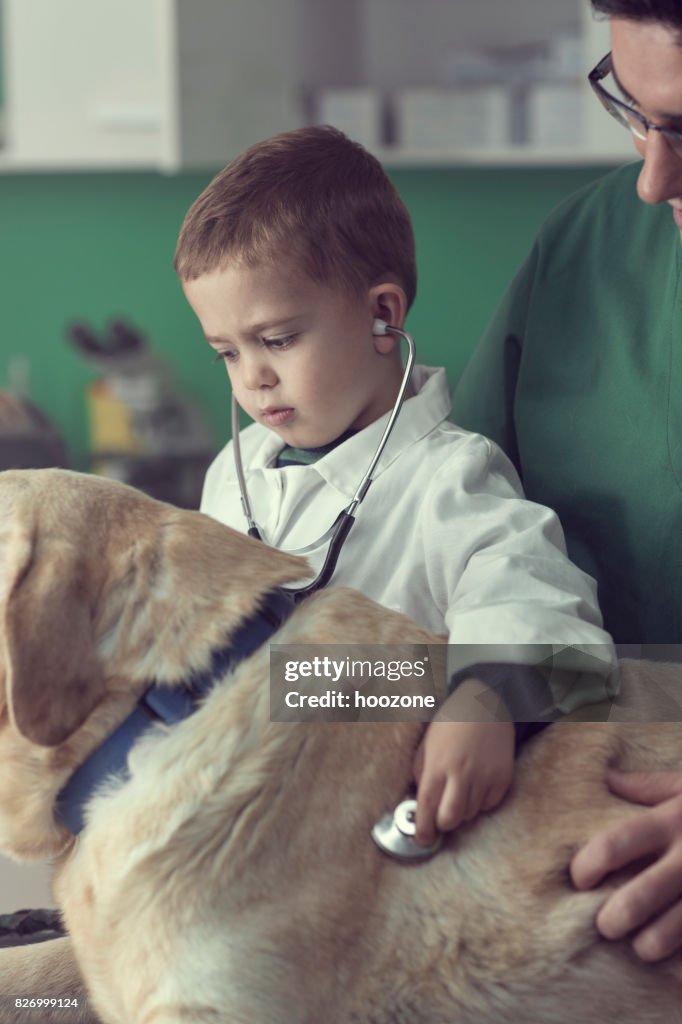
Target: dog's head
(102,590)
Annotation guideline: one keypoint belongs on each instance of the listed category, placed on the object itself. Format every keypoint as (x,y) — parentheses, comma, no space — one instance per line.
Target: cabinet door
(147,83)
(239,76)
(86,82)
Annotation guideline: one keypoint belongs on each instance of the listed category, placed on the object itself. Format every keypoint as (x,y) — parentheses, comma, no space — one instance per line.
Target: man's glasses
(626,115)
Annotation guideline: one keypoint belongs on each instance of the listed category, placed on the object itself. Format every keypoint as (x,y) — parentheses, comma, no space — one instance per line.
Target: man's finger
(653,890)
(663,937)
(645,787)
(617,846)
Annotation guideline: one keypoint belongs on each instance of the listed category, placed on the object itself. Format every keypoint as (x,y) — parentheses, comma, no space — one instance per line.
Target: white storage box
(555,115)
(357,112)
(446,119)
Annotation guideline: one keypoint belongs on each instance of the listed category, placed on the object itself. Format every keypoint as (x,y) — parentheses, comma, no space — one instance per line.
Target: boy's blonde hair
(312,196)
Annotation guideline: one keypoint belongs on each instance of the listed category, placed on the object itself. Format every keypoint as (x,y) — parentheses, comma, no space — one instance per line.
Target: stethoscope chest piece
(394,834)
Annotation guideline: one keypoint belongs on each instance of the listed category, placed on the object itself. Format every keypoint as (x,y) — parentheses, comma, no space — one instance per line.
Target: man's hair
(668,12)
(312,196)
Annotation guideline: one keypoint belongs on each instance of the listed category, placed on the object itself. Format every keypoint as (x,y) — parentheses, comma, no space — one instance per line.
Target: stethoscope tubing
(253,530)
(388,430)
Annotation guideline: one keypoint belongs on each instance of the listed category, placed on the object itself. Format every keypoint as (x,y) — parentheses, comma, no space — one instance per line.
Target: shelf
(10,163)
(506,156)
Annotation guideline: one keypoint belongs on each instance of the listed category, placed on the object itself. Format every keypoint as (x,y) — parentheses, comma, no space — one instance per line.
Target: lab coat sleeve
(497,562)
(483,399)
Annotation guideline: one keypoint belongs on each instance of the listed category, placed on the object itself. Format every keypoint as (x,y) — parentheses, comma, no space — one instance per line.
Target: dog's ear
(52,675)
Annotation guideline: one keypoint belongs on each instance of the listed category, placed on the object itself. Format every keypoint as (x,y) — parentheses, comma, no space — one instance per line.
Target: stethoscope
(394,833)
(346,518)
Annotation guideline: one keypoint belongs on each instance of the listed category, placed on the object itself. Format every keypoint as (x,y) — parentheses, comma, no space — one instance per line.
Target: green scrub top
(579,379)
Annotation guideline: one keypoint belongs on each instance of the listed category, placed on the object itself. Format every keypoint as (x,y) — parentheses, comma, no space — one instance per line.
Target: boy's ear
(388,303)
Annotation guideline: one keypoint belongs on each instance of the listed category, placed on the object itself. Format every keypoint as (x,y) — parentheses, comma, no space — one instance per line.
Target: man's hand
(652,900)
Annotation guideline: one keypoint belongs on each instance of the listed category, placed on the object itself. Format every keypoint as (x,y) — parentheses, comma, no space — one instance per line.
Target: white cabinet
(172,84)
(162,84)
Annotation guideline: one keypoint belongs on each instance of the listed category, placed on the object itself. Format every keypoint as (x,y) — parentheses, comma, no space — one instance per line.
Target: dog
(231,877)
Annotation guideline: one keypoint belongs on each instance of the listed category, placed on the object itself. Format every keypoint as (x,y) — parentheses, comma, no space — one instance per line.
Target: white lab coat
(443,534)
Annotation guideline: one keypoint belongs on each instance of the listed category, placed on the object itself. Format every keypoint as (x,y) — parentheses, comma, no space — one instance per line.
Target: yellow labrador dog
(231,876)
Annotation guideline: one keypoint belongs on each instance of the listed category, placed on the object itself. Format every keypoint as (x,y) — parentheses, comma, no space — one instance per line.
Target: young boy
(287,258)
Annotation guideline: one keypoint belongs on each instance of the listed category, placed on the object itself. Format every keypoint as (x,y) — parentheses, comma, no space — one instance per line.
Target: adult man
(579,378)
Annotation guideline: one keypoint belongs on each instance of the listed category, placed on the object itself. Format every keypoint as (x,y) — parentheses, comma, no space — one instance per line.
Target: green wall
(94,246)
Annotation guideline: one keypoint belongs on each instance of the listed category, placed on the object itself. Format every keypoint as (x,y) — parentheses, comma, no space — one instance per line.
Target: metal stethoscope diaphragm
(346,518)
(394,834)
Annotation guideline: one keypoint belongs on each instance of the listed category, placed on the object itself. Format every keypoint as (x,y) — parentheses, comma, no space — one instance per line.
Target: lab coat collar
(343,467)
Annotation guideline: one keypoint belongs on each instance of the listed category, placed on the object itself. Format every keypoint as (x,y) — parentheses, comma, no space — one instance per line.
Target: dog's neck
(222,578)
(169,704)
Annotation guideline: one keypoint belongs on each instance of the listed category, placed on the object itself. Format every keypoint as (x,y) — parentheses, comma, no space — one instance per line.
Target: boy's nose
(256,373)
(660,178)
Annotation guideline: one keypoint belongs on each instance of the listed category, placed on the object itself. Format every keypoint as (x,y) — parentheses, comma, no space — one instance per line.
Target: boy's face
(300,356)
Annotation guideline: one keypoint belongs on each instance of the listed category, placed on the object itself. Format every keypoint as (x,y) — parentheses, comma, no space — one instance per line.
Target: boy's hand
(461,768)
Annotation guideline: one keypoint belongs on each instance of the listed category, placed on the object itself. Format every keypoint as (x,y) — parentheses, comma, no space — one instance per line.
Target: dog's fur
(232,878)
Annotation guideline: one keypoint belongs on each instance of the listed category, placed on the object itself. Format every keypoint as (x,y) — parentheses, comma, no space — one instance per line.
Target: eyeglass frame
(614,106)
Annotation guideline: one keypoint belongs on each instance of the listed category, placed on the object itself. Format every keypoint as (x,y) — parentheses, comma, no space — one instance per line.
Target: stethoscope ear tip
(379,327)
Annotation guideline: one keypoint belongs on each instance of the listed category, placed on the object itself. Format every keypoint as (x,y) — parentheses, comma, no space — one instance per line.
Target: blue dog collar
(168,704)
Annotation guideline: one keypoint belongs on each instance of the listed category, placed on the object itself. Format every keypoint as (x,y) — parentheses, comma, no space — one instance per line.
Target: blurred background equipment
(27,438)
(143,430)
